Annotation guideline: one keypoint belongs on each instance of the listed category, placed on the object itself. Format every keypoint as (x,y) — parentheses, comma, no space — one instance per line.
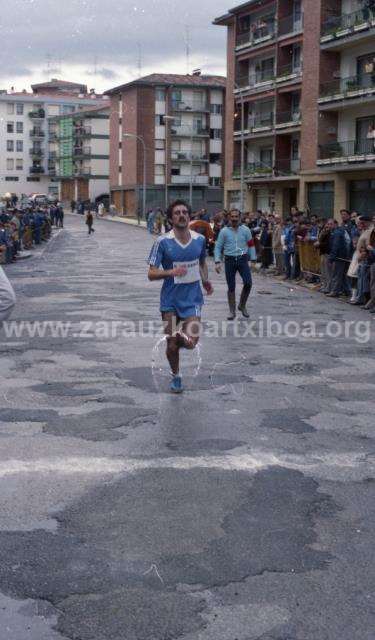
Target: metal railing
(335,24)
(37,133)
(286,167)
(254,79)
(281,168)
(184,130)
(289,70)
(347,85)
(80,131)
(201,179)
(82,151)
(347,149)
(254,168)
(37,170)
(38,153)
(290,24)
(260,120)
(38,114)
(286,117)
(185,105)
(187,156)
(82,173)
(258,32)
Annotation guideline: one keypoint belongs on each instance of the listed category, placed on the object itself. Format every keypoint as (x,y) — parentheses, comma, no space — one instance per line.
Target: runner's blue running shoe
(176,385)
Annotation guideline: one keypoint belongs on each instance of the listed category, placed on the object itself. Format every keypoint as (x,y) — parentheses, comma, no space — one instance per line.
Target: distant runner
(179,258)
(237,244)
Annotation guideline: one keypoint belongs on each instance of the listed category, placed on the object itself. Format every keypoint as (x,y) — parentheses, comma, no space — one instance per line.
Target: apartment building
(169,130)
(78,156)
(24,133)
(301,76)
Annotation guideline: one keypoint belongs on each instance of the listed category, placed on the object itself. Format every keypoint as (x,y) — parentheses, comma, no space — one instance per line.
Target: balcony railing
(344,87)
(36,133)
(282,168)
(292,118)
(203,179)
(261,120)
(184,105)
(255,79)
(188,157)
(348,150)
(286,167)
(82,173)
(254,169)
(259,32)
(347,23)
(288,70)
(36,170)
(82,131)
(82,151)
(37,153)
(184,130)
(38,114)
(289,25)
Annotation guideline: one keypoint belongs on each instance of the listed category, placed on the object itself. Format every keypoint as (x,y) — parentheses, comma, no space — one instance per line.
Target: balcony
(38,114)
(348,26)
(184,105)
(36,170)
(348,152)
(52,172)
(82,132)
(260,32)
(347,89)
(288,119)
(290,25)
(289,73)
(184,130)
(257,124)
(37,153)
(180,156)
(283,169)
(79,152)
(37,134)
(197,180)
(83,173)
(252,83)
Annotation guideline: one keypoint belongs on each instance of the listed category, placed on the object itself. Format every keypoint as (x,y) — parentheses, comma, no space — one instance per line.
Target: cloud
(111,36)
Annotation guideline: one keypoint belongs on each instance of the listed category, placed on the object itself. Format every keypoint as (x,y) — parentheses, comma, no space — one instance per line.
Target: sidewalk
(122,219)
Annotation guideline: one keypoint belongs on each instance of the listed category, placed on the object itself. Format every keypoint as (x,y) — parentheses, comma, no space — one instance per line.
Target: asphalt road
(242,510)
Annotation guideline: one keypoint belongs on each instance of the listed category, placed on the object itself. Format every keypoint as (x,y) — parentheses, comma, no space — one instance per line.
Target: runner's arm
(219,246)
(154,273)
(203,268)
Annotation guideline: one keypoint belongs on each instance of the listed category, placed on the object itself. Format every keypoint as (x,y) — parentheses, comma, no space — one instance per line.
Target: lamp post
(166,119)
(242,146)
(133,135)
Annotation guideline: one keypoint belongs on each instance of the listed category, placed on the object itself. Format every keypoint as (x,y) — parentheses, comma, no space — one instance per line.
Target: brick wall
(114,141)
(146,129)
(229,101)
(130,145)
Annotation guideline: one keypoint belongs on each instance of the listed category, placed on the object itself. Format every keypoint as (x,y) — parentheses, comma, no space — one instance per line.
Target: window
(32,179)
(67,108)
(215,182)
(159,170)
(19,164)
(320,198)
(160,95)
(295,149)
(19,127)
(159,121)
(19,145)
(160,145)
(215,158)
(216,109)
(11,179)
(215,134)
(264,70)
(120,169)
(175,171)
(266,157)
(120,145)
(10,164)
(19,109)
(10,108)
(297,58)
(10,145)
(176,95)
(10,127)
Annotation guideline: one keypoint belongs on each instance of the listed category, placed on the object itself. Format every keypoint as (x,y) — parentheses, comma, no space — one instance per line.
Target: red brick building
(180,120)
(305,73)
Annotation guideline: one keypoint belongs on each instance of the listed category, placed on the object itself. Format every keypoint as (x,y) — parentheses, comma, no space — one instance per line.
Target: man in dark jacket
(339,257)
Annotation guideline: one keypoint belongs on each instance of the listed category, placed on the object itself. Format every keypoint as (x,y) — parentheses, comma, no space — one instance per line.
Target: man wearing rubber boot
(237,244)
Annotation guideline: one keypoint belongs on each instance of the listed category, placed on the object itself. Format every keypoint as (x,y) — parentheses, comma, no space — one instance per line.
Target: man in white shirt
(7,297)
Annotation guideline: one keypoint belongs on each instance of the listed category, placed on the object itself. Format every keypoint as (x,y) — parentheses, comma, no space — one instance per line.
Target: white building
(24,133)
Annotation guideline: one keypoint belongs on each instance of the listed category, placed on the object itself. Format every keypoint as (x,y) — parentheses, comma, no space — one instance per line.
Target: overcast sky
(106,42)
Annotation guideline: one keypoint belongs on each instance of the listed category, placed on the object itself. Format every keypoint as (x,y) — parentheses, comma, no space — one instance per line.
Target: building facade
(179,122)
(79,154)
(24,134)
(303,73)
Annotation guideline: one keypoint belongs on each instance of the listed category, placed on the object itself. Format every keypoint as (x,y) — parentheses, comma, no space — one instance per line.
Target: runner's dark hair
(177,203)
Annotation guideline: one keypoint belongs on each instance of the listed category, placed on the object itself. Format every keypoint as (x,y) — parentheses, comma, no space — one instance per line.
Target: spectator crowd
(335,256)
(22,228)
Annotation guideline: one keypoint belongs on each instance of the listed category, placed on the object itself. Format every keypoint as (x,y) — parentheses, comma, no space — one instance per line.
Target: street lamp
(166,118)
(242,145)
(133,135)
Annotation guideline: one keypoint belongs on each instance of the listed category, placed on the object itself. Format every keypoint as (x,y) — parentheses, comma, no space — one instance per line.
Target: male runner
(182,255)
(7,297)
(237,244)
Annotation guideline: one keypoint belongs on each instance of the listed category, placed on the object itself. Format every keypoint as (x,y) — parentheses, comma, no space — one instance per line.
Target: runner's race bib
(192,275)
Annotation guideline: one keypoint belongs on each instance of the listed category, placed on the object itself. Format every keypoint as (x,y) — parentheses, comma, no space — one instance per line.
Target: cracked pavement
(242,510)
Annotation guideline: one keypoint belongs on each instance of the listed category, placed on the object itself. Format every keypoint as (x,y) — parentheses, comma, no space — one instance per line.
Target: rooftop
(250,4)
(157,79)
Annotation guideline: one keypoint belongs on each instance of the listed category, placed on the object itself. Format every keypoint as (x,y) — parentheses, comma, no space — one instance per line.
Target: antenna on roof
(187,38)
